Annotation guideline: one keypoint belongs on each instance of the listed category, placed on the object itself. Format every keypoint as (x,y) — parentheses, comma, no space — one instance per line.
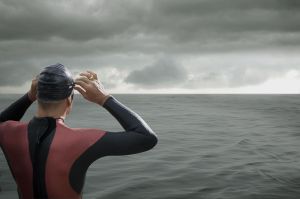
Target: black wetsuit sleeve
(136,138)
(137,135)
(16,110)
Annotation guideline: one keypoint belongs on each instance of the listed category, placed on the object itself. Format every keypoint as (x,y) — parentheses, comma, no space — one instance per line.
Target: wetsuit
(49,160)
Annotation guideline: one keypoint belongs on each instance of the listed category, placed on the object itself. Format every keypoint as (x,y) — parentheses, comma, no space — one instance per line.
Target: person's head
(55,90)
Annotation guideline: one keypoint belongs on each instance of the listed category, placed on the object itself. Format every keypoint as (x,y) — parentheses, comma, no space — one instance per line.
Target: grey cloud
(42,20)
(246,76)
(17,73)
(224,80)
(46,29)
(180,21)
(235,76)
(128,34)
(201,21)
(164,73)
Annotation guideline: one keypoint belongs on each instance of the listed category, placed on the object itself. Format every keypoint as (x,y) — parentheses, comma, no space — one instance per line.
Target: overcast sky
(155,46)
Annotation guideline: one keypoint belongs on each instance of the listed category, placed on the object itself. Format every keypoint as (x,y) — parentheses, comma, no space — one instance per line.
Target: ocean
(210,147)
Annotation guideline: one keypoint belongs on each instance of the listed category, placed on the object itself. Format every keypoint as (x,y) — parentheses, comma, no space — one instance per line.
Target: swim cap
(55,83)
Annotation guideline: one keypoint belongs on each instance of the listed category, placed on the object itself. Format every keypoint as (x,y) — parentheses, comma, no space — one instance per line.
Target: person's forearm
(129,120)
(16,110)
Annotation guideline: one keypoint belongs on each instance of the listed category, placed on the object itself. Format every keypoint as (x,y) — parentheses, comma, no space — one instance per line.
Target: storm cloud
(212,43)
(164,73)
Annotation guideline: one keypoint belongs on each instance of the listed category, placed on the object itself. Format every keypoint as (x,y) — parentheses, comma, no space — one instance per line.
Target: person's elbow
(152,141)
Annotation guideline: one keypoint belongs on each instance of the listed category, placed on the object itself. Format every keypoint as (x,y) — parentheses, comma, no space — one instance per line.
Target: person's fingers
(86,74)
(80,90)
(94,74)
(90,75)
(81,83)
(83,79)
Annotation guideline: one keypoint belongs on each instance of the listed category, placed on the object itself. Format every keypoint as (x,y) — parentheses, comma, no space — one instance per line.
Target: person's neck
(56,114)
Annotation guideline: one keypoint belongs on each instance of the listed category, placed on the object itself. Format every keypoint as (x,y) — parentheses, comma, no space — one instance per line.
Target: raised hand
(33,90)
(91,88)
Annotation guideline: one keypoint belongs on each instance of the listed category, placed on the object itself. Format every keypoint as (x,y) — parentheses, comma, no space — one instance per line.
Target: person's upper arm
(16,110)
(126,143)
(117,143)
(136,137)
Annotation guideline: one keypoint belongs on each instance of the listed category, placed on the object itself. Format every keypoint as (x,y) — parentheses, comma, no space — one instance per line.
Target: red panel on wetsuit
(67,145)
(14,142)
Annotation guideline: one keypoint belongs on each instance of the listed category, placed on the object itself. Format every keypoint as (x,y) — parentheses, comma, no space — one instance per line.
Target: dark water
(210,146)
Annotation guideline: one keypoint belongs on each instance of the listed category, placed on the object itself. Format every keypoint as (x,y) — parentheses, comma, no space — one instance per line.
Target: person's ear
(69,101)
(69,105)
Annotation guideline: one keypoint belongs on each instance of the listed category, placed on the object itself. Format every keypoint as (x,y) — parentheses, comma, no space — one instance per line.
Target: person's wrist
(103,100)
(30,96)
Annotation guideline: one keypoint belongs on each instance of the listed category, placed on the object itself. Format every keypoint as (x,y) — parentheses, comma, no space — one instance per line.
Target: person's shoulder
(12,128)
(88,130)
(12,123)
(82,131)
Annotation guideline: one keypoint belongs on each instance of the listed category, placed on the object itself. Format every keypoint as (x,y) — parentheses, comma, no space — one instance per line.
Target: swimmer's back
(55,167)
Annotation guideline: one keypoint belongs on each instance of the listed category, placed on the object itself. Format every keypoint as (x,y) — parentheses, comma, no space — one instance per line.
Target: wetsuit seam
(76,182)
(40,140)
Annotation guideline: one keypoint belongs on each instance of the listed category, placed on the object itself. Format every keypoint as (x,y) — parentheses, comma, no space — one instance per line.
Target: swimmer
(47,158)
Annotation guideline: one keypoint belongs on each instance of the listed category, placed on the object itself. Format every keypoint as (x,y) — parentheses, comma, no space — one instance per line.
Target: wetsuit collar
(60,119)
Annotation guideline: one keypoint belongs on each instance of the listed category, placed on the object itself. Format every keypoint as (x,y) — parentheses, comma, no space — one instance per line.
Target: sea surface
(210,147)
